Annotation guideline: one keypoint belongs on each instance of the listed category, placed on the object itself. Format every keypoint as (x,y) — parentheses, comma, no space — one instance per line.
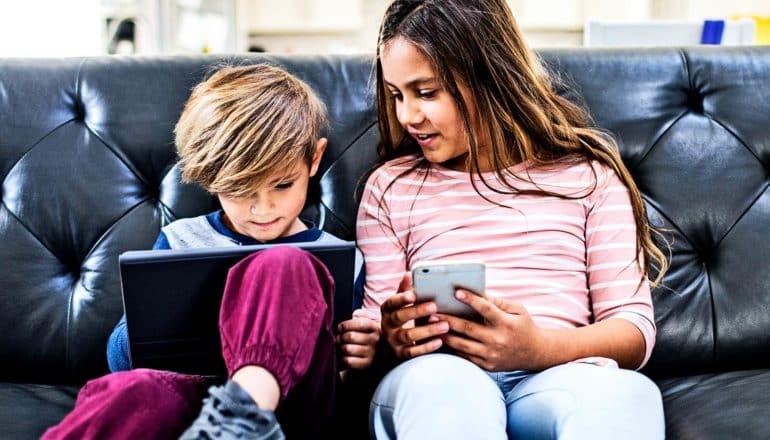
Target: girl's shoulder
(573,177)
(395,168)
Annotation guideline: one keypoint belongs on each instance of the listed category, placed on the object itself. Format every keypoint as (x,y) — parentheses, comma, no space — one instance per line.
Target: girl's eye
(284,185)
(427,93)
(395,95)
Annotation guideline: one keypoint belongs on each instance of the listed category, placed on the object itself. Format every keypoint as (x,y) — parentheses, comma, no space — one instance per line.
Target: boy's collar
(312,233)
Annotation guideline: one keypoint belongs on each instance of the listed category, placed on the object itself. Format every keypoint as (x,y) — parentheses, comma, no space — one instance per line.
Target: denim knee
(438,396)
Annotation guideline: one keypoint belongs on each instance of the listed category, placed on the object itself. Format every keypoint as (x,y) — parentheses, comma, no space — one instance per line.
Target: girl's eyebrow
(415,82)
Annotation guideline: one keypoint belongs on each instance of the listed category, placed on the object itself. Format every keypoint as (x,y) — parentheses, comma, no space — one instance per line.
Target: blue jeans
(445,397)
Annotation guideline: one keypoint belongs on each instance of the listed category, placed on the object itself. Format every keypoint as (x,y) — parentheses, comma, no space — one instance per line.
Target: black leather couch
(87,171)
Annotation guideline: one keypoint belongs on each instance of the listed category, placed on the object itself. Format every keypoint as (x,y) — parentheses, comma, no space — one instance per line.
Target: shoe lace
(230,416)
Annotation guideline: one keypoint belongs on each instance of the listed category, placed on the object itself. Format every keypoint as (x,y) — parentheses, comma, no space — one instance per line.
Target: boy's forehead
(283,172)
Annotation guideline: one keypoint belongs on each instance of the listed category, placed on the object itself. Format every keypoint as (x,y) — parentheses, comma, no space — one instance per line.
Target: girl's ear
(320,147)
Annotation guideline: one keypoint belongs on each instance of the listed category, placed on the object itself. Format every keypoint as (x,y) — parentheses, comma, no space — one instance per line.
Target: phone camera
(425,270)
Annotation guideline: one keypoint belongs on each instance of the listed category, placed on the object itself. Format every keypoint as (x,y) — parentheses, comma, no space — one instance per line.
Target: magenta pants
(276,313)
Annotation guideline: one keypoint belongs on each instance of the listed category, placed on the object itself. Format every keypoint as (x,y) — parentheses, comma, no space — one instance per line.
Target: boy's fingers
(364,325)
(356,350)
(357,363)
(359,338)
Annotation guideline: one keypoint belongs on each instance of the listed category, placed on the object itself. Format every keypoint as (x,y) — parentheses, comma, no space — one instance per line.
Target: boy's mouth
(265,224)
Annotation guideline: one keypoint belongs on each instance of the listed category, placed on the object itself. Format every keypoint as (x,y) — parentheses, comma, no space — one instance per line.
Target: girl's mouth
(424,139)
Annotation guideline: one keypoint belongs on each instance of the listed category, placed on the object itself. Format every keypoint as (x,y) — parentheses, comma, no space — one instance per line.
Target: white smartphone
(438,280)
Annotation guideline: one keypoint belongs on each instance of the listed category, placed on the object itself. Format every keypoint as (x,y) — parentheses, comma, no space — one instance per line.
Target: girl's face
(424,108)
(273,210)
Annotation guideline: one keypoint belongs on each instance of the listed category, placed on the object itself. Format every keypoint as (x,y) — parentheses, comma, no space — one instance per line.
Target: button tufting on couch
(87,171)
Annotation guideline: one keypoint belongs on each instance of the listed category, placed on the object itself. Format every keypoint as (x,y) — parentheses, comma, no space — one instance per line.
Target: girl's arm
(623,328)
(388,296)
(510,340)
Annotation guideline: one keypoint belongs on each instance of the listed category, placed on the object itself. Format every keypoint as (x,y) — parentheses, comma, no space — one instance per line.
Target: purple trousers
(276,313)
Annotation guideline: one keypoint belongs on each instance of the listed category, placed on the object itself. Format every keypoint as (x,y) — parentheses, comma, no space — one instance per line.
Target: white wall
(38,28)
(74,27)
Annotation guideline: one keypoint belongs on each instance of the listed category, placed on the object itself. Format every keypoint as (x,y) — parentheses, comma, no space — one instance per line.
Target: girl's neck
(485,162)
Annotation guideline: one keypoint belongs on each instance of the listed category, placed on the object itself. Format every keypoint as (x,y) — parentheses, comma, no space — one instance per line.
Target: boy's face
(272,212)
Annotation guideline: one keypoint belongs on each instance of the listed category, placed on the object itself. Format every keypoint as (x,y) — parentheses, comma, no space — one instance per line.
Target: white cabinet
(304,16)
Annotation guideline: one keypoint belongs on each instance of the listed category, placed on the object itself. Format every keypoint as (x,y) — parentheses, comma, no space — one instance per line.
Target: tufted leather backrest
(87,166)
(87,171)
(694,127)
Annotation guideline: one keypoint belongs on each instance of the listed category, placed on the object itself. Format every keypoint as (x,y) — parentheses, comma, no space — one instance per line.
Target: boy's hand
(358,338)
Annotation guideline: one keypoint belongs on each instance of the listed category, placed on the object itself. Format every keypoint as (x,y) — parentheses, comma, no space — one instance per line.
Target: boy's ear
(320,147)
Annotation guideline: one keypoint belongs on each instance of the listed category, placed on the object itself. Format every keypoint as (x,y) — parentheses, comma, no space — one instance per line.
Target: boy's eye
(284,185)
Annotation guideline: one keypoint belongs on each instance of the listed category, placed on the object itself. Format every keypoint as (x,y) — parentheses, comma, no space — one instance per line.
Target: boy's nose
(260,205)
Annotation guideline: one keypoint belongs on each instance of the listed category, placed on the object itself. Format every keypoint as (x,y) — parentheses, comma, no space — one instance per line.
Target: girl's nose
(409,113)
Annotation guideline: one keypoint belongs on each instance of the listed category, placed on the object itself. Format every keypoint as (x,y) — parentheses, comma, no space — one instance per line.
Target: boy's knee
(280,258)
(285,253)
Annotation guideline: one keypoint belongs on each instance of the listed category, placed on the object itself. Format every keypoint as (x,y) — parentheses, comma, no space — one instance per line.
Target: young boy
(250,136)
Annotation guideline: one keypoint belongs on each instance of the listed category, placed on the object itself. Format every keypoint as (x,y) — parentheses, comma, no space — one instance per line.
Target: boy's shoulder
(194,232)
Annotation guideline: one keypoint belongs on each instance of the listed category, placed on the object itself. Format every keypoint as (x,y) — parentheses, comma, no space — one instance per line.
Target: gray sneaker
(230,413)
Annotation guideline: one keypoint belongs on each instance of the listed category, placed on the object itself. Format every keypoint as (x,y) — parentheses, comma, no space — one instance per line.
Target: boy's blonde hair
(243,125)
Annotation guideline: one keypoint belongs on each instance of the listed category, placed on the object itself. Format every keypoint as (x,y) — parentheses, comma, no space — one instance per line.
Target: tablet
(172,298)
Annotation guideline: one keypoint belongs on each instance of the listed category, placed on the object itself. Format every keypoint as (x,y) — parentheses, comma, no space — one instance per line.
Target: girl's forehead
(403,63)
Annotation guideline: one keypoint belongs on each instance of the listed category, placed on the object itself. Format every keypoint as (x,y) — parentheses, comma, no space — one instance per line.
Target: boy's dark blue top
(117,345)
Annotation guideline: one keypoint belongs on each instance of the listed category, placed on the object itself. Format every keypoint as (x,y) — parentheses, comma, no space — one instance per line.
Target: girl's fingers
(423,332)
(465,345)
(508,306)
(397,302)
(470,329)
(415,312)
(406,282)
(410,351)
(487,309)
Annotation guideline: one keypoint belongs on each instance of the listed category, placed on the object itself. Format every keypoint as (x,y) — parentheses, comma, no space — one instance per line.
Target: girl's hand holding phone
(507,340)
(398,315)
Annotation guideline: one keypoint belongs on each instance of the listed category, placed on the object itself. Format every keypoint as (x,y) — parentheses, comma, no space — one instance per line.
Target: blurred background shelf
(93,27)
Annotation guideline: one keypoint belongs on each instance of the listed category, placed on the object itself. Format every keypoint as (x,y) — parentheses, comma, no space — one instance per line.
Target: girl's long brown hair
(478,43)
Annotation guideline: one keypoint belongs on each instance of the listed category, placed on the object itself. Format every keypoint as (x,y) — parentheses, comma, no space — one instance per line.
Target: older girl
(481,159)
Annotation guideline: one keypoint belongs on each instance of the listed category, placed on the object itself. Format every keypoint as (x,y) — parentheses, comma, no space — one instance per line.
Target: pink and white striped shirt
(570,262)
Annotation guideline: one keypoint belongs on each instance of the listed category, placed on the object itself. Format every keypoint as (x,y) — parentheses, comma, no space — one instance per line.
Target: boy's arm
(117,344)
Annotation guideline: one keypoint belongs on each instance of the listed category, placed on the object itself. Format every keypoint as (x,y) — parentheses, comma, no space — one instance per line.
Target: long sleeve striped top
(570,262)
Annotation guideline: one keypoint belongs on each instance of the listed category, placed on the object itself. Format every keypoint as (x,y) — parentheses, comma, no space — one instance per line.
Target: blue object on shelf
(712,31)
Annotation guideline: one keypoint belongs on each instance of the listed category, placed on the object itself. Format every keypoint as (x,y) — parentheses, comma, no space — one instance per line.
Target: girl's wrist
(554,349)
